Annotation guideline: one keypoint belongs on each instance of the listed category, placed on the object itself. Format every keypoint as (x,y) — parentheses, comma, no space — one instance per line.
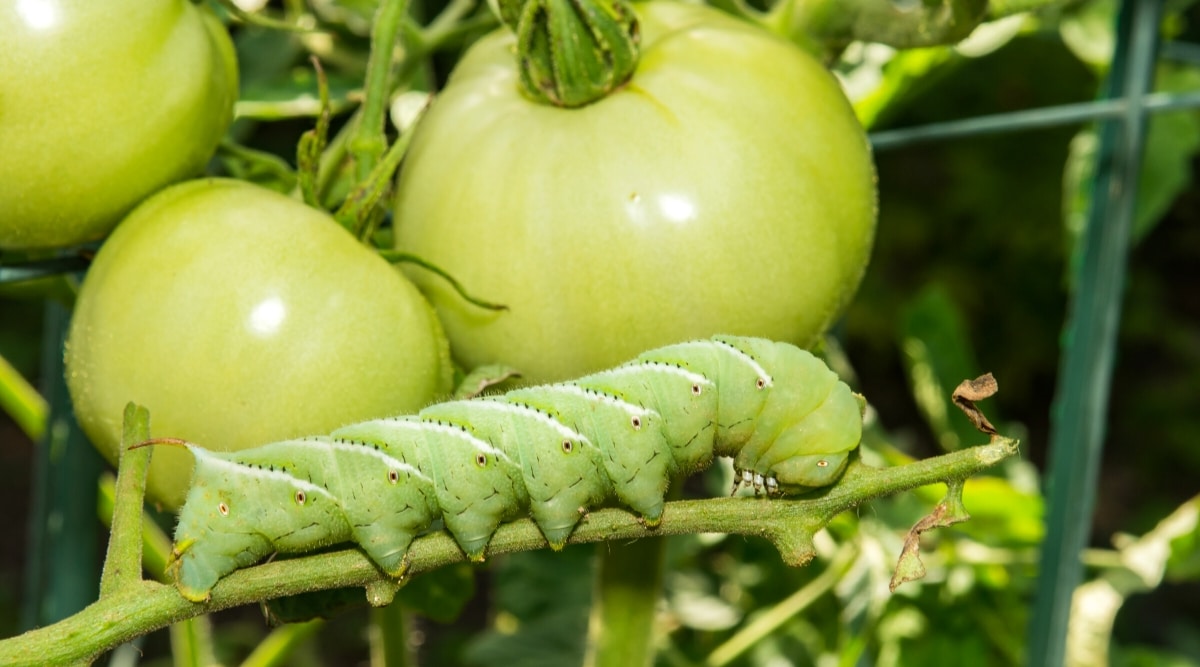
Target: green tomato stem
(829,25)
(448,23)
(332,173)
(397,257)
(192,642)
(629,583)
(389,637)
(22,401)
(359,212)
(769,621)
(259,19)
(369,141)
(312,143)
(572,52)
(281,643)
(156,545)
(123,562)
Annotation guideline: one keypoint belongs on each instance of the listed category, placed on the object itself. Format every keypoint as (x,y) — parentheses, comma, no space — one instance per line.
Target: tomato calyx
(571,53)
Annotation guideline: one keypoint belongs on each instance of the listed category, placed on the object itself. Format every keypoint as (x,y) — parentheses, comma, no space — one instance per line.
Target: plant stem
(628,584)
(146,606)
(156,546)
(192,642)
(389,636)
(369,141)
(281,643)
(767,623)
(22,401)
(831,24)
(123,562)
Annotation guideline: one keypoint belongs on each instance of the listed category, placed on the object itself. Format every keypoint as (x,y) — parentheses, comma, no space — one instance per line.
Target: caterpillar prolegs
(550,452)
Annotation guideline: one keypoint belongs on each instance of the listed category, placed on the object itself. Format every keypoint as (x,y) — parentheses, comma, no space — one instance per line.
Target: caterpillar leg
(652,514)
(473,543)
(760,483)
(386,546)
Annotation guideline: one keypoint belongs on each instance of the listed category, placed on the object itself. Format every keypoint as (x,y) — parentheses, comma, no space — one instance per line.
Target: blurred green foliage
(969,274)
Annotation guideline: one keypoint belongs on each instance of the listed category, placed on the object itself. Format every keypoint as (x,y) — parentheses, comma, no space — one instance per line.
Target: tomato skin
(239,316)
(727,189)
(101,104)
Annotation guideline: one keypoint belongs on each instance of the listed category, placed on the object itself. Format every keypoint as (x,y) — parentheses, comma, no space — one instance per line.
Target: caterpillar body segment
(537,451)
(796,415)
(550,452)
(295,496)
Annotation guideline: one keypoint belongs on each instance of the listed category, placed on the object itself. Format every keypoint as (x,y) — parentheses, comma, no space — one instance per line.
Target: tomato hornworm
(550,451)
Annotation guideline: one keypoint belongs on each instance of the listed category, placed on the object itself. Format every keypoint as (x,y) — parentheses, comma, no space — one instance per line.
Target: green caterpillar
(551,452)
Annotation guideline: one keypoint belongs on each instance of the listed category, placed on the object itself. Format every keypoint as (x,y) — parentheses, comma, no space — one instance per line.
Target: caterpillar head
(204,550)
(813,451)
(237,513)
(808,470)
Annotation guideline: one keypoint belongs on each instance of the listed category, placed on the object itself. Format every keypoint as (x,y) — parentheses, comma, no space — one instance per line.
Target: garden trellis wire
(1090,330)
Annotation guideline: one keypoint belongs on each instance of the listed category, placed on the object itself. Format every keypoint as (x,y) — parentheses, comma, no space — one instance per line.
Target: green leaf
(440,595)
(1087,30)
(542,600)
(22,401)
(1183,564)
(483,378)
(938,355)
(1173,141)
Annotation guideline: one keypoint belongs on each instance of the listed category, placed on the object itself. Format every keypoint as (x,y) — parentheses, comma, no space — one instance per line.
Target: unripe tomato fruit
(239,316)
(728,188)
(101,104)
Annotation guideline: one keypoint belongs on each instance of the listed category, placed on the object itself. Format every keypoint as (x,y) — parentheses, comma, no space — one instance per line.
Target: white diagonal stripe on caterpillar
(461,433)
(633,409)
(657,367)
(500,405)
(741,354)
(363,449)
(736,352)
(254,471)
(417,423)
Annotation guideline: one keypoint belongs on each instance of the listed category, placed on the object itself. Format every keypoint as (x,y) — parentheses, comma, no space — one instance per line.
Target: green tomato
(239,316)
(728,188)
(101,104)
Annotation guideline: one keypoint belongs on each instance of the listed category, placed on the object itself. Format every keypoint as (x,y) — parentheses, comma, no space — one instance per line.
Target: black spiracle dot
(637,423)
(393,476)
(481,459)
(223,509)
(760,383)
(568,446)
(822,463)
(300,497)
(695,389)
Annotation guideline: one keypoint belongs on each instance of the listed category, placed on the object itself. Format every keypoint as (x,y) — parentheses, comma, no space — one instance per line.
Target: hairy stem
(123,562)
(145,606)
(831,24)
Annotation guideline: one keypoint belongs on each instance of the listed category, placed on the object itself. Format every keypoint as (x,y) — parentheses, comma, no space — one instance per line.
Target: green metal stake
(1080,409)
